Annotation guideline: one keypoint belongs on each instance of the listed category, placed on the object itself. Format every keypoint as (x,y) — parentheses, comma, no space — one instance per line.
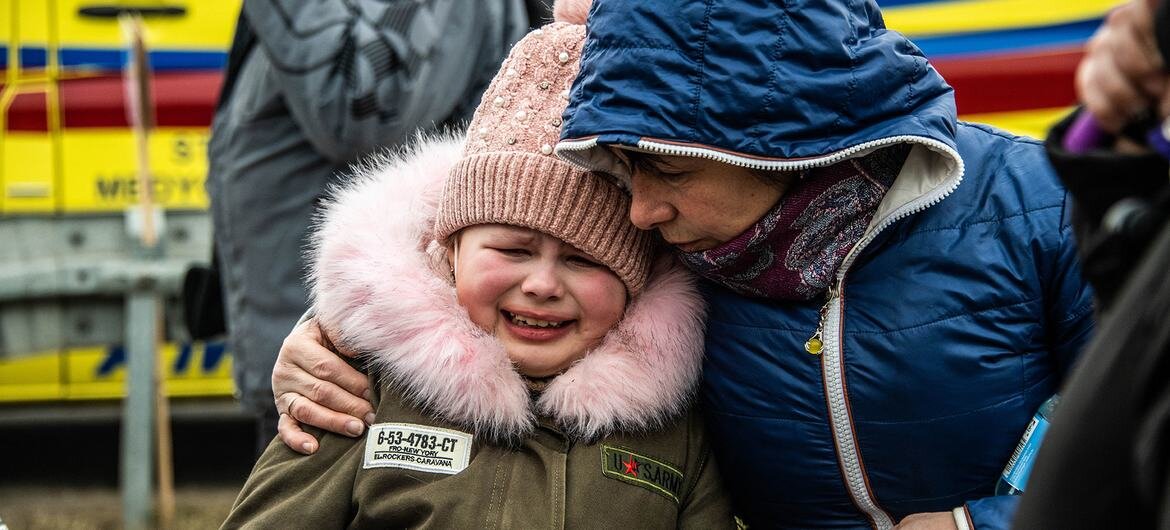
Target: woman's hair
(651,163)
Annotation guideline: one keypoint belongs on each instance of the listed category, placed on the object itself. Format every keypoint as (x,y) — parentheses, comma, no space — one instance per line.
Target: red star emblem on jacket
(631,466)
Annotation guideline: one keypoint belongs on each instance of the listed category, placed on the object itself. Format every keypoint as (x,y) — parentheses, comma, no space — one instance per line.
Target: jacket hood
(381,287)
(756,83)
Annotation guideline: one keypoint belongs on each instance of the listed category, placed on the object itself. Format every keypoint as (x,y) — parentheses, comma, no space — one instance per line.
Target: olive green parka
(461,440)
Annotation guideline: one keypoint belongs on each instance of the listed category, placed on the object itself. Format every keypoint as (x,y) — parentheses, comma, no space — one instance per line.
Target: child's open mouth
(530,322)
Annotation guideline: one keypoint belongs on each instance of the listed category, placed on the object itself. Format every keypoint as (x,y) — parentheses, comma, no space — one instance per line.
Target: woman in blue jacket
(876,350)
(892,292)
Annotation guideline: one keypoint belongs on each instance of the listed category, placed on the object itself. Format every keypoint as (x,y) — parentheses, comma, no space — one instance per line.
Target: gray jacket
(325,83)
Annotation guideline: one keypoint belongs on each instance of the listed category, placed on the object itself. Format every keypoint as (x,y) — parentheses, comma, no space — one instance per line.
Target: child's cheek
(485,281)
(497,275)
(604,297)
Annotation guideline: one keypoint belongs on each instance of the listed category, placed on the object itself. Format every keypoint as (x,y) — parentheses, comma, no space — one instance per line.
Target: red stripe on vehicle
(1014,81)
(181,99)
(984,83)
(27,113)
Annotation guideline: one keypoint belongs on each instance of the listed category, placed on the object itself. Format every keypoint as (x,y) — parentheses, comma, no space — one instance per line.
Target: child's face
(546,301)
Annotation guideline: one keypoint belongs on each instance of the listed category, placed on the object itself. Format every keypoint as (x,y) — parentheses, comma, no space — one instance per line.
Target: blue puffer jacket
(951,321)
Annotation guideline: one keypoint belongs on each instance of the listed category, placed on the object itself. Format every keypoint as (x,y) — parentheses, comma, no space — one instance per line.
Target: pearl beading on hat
(524,88)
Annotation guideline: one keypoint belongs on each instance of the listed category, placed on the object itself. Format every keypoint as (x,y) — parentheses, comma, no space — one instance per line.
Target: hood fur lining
(378,290)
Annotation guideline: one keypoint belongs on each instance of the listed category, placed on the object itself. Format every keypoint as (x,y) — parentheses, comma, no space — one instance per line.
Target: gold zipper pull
(816,343)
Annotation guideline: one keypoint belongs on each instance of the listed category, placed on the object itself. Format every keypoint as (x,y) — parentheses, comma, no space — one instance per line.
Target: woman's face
(546,301)
(695,203)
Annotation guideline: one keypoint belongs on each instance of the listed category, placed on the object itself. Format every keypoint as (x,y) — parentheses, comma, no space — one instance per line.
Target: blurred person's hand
(1123,74)
(313,385)
(927,521)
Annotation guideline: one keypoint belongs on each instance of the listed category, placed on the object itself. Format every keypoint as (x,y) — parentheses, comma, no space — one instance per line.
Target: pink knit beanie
(508,174)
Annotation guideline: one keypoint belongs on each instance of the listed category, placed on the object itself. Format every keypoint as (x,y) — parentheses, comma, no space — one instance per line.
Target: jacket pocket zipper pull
(816,343)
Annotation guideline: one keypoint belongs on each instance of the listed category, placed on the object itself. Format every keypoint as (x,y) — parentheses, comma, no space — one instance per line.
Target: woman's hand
(315,386)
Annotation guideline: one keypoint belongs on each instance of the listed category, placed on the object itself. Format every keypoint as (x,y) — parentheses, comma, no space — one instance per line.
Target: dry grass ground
(63,475)
(99,508)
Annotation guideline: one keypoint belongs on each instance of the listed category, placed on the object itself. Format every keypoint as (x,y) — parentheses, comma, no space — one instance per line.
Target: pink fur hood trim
(379,290)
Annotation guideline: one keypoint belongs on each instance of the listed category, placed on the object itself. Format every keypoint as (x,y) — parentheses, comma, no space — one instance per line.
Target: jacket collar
(380,288)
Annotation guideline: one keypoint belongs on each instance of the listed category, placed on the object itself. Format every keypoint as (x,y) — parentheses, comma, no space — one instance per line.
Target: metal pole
(145,396)
(138,412)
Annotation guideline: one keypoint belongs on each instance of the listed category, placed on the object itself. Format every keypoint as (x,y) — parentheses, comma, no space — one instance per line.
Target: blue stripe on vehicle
(1008,40)
(115,59)
(28,56)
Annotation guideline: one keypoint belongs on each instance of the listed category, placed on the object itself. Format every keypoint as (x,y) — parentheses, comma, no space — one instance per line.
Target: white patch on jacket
(379,291)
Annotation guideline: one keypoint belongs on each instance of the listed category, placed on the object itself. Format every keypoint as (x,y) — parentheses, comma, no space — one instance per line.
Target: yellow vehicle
(68,170)
(1011,62)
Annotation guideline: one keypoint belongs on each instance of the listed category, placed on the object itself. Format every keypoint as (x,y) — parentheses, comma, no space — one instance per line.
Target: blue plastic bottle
(1019,466)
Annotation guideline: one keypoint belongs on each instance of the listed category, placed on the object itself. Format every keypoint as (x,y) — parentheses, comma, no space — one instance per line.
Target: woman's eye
(671,175)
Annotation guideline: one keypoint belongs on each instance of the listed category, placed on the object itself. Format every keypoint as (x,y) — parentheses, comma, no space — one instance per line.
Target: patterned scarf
(793,251)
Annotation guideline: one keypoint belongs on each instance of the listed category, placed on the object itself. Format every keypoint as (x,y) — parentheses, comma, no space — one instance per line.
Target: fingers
(321,391)
(1110,97)
(306,411)
(313,386)
(1164,104)
(291,434)
(307,368)
(341,377)
(1137,53)
(323,339)
(1122,73)
(316,386)
(312,351)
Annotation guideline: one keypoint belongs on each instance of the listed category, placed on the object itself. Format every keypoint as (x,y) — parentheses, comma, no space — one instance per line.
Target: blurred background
(71,251)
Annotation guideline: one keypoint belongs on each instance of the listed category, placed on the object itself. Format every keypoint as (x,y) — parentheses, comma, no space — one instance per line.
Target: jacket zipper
(568,149)
(833,374)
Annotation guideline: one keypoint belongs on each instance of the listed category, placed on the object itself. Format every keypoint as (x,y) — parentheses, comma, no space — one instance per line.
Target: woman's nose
(648,210)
